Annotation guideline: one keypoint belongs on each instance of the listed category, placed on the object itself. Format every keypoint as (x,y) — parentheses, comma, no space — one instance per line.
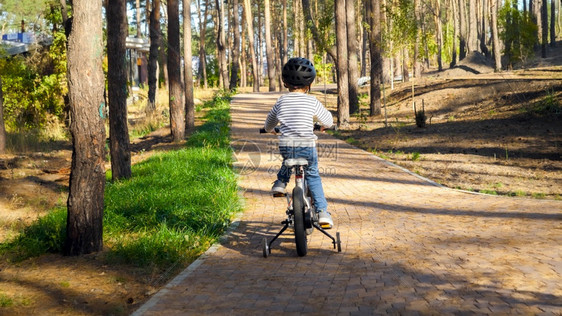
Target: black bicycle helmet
(298,72)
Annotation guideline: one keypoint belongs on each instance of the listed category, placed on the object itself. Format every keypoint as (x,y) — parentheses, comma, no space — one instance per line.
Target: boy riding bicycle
(296,113)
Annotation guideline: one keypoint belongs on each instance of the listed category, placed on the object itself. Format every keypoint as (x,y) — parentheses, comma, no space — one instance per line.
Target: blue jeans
(312,175)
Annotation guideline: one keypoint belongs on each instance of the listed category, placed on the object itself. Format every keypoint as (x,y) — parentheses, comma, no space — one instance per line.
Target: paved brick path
(409,246)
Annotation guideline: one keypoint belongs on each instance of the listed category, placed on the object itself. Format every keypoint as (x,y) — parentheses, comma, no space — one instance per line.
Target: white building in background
(23,42)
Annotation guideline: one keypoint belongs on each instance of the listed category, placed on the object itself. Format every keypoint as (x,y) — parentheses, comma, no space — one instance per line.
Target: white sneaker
(325,220)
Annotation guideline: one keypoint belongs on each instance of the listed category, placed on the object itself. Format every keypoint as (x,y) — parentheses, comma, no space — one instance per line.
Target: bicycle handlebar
(317,127)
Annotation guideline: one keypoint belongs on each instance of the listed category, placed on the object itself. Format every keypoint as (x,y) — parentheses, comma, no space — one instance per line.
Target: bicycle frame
(305,219)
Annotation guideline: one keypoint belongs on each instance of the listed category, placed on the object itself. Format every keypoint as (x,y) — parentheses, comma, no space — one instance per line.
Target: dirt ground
(31,184)
(483,133)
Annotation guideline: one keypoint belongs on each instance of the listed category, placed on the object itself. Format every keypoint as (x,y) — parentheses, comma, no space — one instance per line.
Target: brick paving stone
(409,246)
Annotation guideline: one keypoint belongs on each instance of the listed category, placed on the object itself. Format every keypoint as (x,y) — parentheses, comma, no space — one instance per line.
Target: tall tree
(417,14)
(319,39)
(285,52)
(187,67)
(252,48)
(268,47)
(536,17)
(243,56)
(472,26)
(221,45)
(155,41)
(117,89)
(462,30)
(495,39)
(342,64)
(64,12)
(2,127)
(483,28)
(453,5)
(84,226)
(202,72)
(177,125)
(439,34)
(352,48)
(235,69)
(544,28)
(376,60)
(553,23)
(138,17)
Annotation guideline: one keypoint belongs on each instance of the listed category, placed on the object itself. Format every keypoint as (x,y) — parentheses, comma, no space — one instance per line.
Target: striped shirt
(296,113)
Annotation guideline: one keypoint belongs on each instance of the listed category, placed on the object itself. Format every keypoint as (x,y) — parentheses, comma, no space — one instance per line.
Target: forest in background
(413,37)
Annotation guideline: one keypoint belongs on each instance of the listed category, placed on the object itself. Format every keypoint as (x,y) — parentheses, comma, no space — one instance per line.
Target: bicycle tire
(265,248)
(300,230)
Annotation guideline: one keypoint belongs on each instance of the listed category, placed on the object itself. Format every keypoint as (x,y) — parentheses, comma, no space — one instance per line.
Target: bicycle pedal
(326,226)
(279,194)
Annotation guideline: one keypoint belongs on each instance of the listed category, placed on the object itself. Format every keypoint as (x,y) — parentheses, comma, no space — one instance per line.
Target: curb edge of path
(187,271)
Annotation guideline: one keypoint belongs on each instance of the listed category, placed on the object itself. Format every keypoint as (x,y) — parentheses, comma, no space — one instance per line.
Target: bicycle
(301,212)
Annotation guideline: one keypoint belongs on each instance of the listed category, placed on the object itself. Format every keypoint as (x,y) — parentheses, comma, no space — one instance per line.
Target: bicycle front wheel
(300,230)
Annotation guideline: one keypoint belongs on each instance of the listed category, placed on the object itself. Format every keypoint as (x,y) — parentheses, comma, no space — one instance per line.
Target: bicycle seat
(291,162)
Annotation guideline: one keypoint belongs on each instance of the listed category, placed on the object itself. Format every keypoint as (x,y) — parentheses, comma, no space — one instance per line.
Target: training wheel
(265,248)
(338,241)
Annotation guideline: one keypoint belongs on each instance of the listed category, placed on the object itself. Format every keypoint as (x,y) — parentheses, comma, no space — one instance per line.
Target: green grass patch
(549,105)
(5,301)
(491,192)
(176,204)
(45,235)
(538,195)
(352,141)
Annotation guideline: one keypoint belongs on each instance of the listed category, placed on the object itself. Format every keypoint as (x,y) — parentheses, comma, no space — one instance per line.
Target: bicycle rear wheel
(300,230)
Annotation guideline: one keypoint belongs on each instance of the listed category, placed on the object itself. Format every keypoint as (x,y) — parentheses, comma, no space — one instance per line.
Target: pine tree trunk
(318,38)
(376,62)
(177,124)
(2,126)
(268,47)
(243,57)
(352,47)
(453,4)
(552,23)
(439,34)
(387,61)
(342,64)
(495,38)
(235,68)
(285,34)
(84,227)
(472,27)
(484,28)
(536,18)
(202,73)
(138,16)
(463,30)
(364,40)
(221,45)
(417,64)
(64,12)
(187,67)
(250,24)
(559,24)
(260,46)
(544,20)
(155,39)
(117,89)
